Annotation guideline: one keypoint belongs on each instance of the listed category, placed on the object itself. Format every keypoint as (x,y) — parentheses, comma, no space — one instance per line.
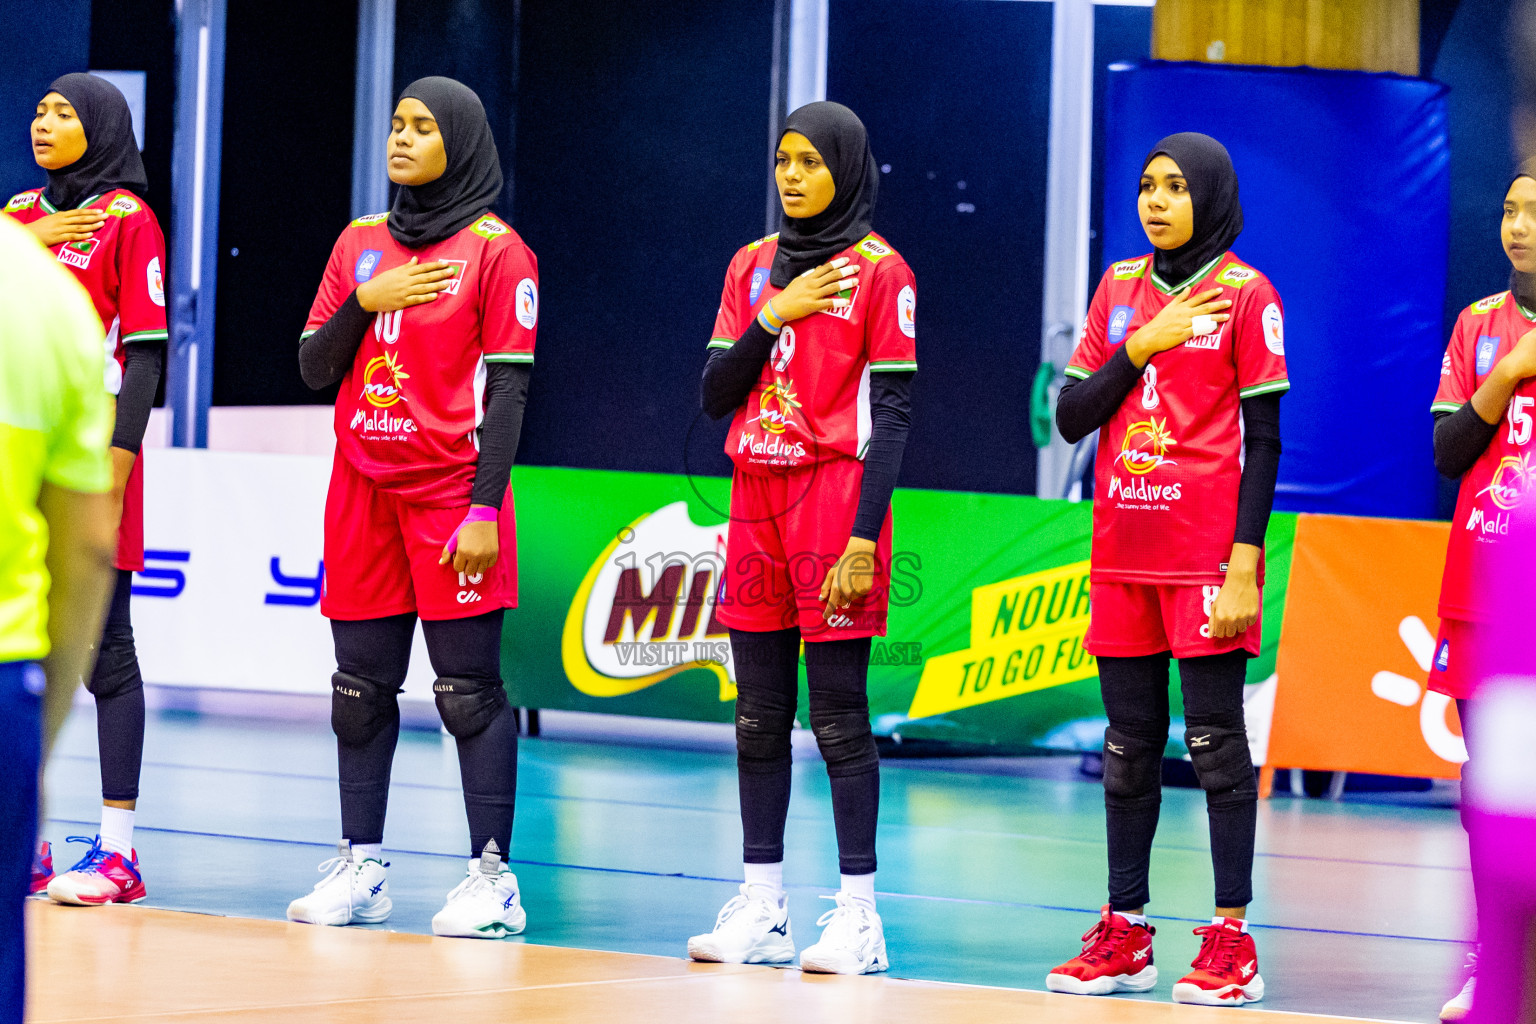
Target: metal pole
(1068,175)
(195,216)
(778,85)
(807,52)
(373,105)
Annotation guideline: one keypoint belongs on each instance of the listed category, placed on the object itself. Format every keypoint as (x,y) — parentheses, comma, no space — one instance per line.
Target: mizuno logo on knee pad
(1199,741)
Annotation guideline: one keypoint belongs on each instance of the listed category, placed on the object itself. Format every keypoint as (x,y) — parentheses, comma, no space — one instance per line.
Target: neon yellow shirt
(55,423)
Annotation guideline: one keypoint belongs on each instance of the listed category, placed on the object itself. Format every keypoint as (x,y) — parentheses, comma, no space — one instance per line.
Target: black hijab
(1218,212)
(840,138)
(424,214)
(111,157)
(1522,285)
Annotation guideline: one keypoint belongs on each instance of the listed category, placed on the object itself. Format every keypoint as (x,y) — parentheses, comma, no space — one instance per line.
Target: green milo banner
(618,574)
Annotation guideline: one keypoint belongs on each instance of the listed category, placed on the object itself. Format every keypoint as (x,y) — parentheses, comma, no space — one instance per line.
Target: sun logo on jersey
(381,381)
(1146,446)
(1511,479)
(776,406)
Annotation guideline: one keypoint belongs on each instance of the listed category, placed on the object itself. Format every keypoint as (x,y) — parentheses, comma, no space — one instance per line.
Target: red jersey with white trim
(1170,459)
(408,409)
(1504,476)
(811,402)
(122,266)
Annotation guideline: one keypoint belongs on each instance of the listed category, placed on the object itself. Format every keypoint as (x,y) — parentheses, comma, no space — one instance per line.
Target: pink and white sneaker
(42,867)
(101,876)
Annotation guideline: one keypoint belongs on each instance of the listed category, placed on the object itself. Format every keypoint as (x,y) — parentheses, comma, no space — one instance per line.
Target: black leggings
(1135,692)
(767,685)
(119,691)
(380,650)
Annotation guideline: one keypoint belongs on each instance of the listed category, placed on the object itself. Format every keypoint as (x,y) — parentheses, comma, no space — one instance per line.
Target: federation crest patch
(366,264)
(1487,348)
(1119,321)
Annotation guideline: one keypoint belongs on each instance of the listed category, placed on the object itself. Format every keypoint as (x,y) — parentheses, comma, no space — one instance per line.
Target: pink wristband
(475,515)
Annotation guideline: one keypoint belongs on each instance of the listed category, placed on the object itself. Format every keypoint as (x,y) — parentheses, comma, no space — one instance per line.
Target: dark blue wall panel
(27,65)
(956,96)
(639,172)
(1345,182)
(1120,35)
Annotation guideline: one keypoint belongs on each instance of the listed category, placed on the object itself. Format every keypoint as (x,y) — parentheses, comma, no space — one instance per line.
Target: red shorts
(381,556)
(1453,669)
(1128,620)
(130,530)
(787,529)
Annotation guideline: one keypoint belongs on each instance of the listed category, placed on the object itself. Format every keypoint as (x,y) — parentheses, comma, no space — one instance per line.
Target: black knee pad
(762,734)
(116,672)
(1220,757)
(361,708)
(468,706)
(1133,766)
(844,737)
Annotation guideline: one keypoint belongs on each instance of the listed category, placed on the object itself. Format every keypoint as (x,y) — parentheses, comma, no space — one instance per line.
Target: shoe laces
(1102,940)
(94,857)
(1219,948)
(474,884)
(844,922)
(738,907)
(331,868)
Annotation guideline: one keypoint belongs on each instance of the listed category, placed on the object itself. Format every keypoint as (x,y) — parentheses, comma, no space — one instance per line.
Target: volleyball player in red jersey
(427,317)
(1180,367)
(1485,410)
(813,352)
(92,216)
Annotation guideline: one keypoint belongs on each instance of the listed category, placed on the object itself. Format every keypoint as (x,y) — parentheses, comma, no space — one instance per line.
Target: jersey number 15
(1520,419)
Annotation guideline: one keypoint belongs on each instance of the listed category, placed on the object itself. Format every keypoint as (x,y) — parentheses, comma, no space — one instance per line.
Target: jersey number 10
(386,327)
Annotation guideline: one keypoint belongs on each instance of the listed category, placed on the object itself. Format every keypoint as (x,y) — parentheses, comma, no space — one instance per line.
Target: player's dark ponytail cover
(1522,285)
(424,214)
(111,157)
(840,138)
(1207,168)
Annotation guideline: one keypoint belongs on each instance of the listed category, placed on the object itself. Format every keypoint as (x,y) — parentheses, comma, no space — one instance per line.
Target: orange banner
(1355,651)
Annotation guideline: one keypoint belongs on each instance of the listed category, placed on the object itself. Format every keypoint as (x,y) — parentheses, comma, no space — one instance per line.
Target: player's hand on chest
(413,283)
(831,287)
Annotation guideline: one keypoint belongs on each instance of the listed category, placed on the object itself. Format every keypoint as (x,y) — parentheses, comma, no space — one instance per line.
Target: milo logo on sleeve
(1129,269)
(1235,275)
(489,227)
(24,201)
(122,206)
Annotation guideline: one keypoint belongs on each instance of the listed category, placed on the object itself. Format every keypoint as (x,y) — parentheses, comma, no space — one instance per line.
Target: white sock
(860,887)
(117,830)
(768,876)
(1140,919)
(1220,920)
(366,851)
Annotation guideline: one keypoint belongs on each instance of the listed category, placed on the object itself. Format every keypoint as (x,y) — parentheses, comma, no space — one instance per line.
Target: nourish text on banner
(1026,635)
